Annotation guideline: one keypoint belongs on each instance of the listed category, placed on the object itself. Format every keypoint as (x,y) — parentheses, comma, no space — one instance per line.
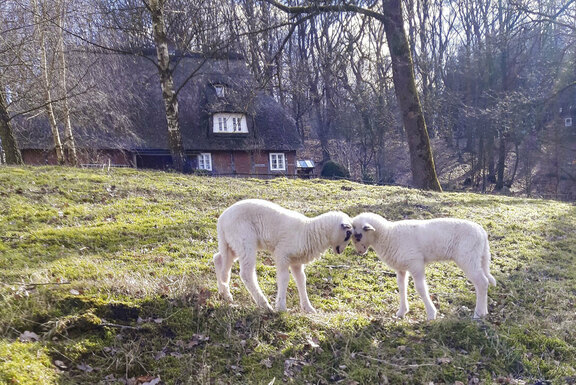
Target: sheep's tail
(486,258)
(223,246)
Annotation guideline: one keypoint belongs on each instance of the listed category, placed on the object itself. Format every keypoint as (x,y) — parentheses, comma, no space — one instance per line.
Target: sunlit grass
(113,271)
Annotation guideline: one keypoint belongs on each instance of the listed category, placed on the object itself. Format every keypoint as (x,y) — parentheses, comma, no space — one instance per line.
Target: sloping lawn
(107,278)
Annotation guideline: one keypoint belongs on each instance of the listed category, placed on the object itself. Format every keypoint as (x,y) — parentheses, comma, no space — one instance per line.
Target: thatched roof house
(228,126)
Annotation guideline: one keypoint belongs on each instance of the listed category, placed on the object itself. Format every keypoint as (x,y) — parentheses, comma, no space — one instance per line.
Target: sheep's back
(264,222)
(437,239)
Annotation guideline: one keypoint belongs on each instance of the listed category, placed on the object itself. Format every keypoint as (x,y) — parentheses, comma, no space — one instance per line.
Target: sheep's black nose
(338,249)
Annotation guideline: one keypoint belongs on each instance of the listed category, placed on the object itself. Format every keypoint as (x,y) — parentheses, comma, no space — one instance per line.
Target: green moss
(25,363)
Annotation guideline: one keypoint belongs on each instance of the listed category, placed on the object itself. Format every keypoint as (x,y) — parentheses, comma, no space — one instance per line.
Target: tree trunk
(69,142)
(156,8)
(501,162)
(9,143)
(47,86)
(421,159)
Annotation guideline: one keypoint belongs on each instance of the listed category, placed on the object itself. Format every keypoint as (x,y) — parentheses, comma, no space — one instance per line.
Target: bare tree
(40,23)
(69,141)
(8,143)
(157,9)
(422,162)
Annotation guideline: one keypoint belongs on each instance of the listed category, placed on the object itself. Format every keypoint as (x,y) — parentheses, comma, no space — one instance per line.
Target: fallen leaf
(443,360)
(282,335)
(60,364)
(312,342)
(28,336)
(197,339)
(85,367)
(267,362)
(147,380)
(74,292)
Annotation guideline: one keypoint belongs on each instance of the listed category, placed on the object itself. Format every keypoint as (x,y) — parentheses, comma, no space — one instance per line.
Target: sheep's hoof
(400,314)
(478,317)
(432,316)
(309,310)
(227,297)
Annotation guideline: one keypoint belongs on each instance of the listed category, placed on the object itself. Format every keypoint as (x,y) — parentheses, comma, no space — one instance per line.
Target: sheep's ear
(346,226)
(368,227)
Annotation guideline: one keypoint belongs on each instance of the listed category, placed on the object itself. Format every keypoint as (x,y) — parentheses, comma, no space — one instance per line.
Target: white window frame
(567,122)
(220,90)
(205,161)
(229,123)
(277,161)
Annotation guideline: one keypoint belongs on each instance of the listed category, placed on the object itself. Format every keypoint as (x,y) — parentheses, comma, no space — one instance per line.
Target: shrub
(333,170)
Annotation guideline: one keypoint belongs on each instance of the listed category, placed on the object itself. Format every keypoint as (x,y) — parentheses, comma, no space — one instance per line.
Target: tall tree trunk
(422,162)
(501,164)
(47,85)
(71,155)
(156,8)
(9,143)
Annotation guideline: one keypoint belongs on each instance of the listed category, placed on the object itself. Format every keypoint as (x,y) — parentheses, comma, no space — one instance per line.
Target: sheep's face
(343,237)
(364,234)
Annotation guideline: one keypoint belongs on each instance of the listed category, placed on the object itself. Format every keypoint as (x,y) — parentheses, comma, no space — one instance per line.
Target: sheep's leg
(248,275)
(481,284)
(300,278)
(282,279)
(422,289)
(223,264)
(402,279)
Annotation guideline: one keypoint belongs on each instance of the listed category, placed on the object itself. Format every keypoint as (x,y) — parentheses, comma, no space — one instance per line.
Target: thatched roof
(123,107)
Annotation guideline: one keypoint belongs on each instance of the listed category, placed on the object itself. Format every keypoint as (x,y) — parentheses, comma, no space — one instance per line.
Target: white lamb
(294,240)
(409,245)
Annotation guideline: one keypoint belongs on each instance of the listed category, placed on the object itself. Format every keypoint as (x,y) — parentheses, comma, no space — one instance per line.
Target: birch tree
(69,141)
(40,23)
(157,10)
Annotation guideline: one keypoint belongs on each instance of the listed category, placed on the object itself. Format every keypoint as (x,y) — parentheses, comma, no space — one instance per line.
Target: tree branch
(311,9)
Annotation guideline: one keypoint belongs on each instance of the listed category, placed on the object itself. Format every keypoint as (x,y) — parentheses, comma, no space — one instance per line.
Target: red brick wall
(223,162)
(249,163)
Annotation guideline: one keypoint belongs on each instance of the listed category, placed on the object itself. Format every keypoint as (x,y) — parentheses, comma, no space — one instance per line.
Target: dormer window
(229,123)
(219,90)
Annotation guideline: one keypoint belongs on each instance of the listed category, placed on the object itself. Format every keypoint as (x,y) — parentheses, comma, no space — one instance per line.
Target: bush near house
(107,278)
(333,170)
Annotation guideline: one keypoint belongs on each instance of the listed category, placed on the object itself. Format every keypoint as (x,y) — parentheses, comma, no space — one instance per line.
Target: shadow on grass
(50,244)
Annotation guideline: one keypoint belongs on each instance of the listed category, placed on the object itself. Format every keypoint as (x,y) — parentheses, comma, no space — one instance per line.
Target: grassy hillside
(107,277)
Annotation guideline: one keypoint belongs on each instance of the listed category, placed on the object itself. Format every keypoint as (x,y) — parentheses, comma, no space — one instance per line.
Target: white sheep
(294,240)
(409,245)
